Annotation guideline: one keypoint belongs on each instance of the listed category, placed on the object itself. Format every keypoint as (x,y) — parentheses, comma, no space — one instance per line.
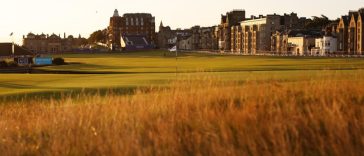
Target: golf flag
(173,49)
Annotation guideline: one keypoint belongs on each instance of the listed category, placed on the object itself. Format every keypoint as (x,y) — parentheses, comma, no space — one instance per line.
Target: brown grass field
(199,116)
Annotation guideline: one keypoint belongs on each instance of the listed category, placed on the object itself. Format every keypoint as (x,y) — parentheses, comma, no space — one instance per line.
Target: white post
(12,45)
(13,48)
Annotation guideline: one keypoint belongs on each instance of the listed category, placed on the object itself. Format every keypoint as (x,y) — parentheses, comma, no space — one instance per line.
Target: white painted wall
(326,45)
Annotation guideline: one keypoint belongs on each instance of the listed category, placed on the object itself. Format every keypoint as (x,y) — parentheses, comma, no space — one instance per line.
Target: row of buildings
(202,38)
(137,31)
(275,34)
(350,33)
(236,33)
(52,43)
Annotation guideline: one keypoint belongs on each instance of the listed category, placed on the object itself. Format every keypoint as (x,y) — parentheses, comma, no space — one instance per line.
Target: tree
(98,36)
(318,22)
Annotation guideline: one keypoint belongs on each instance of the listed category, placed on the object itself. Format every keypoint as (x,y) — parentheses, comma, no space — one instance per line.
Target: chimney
(64,35)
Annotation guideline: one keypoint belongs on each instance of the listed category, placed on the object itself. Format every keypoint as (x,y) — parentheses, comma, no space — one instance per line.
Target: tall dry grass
(194,117)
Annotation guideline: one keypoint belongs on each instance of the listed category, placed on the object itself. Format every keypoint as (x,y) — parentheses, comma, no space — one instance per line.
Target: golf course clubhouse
(12,51)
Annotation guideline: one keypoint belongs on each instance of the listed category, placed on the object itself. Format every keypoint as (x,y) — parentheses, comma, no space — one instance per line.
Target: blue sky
(84,16)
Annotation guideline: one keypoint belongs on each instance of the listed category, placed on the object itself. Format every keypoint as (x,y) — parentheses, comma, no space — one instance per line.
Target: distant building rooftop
(6,50)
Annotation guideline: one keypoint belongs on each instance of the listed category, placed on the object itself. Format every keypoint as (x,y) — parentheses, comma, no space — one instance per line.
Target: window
(142,21)
(127,21)
(132,21)
(136,21)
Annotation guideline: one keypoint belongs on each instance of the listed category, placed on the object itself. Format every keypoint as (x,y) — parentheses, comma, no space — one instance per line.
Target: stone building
(279,42)
(236,39)
(291,21)
(294,42)
(301,45)
(195,34)
(200,38)
(349,33)
(130,24)
(185,43)
(256,33)
(166,37)
(52,44)
(301,42)
(232,18)
(360,34)
(342,34)
(207,38)
(352,46)
(259,34)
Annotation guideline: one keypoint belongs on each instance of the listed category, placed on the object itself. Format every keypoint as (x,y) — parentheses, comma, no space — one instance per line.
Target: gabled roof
(6,49)
(345,19)
(354,14)
(361,16)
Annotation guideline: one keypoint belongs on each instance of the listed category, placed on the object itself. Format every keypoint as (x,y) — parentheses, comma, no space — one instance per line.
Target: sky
(75,17)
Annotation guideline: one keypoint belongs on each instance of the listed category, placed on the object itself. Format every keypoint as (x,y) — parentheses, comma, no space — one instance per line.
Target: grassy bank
(196,116)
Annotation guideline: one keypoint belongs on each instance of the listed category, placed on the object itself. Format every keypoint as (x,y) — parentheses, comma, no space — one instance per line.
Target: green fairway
(139,69)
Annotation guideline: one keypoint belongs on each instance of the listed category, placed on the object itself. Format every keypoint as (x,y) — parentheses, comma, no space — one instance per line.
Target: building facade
(352,42)
(186,43)
(199,38)
(301,45)
(130,24)
(360,34)
(236,39)
(279,42)
(232,18)
(325,46)
(52,43)
(207,38)
(256,33)
(166,37)
(342,34)
(350,33)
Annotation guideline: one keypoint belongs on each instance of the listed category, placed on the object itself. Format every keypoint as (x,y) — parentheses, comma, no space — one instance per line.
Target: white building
(325,45)
(300,45)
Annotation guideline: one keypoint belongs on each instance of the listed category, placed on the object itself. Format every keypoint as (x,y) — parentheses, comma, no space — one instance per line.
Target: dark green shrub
(12,64)
(58,61)
(3,64)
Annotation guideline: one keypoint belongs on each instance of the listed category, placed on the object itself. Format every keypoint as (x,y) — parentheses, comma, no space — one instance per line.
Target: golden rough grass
(194,117)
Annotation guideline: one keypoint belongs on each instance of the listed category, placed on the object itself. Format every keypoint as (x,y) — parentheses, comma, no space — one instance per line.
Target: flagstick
(176,62)
(176,56)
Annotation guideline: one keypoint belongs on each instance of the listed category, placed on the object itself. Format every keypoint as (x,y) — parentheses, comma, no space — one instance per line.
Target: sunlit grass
(204,115)
(141,69)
